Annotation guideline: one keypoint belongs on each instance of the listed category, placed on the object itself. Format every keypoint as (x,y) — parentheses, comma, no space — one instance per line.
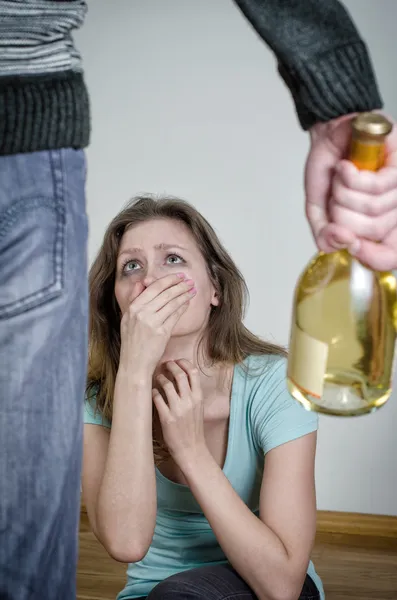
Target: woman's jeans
(220,582)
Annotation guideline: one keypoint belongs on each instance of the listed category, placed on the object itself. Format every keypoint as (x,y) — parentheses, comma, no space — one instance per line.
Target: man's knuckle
(377,187)
(377,230)
(373,207)
(339,193)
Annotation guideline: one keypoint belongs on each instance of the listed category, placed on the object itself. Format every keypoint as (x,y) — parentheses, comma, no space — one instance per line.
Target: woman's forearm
(253,549)
(126,507)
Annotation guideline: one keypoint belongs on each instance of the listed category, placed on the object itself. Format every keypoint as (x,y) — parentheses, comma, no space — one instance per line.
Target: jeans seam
(57,168)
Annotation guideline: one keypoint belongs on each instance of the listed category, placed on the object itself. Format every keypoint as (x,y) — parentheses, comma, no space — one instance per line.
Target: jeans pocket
(32,248)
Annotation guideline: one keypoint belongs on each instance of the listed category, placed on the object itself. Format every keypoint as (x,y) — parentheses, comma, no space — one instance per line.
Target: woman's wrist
(134,378)
(139,370)
(132,397)
(190,460)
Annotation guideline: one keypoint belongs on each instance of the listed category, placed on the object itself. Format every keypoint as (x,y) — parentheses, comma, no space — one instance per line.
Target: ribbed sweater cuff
(332,84)
(43,113)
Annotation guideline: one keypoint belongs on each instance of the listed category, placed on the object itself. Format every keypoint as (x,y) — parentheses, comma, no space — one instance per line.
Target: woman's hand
(182,416)
(349,208)
(147,325)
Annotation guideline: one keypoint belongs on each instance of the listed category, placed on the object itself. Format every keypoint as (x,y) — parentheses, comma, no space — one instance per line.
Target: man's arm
(327,68)
(321,56)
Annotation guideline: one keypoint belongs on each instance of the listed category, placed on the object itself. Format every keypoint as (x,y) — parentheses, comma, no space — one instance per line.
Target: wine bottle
(344,315)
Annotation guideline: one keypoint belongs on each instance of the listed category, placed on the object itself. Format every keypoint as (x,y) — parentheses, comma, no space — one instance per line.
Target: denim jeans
(220,582)
(43,356)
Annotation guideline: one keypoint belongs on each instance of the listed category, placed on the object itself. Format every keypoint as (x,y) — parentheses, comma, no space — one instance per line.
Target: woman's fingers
(170,392)
(193,375)
(161,285)
(180,377)
(170,313)
(161,405)
(171,295)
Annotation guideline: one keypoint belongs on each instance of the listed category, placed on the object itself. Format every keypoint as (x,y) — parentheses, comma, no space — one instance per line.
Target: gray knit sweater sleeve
(321,56)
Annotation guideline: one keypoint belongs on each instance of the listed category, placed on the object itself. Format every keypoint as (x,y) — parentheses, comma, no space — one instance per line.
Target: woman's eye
(174,259)
(131,265)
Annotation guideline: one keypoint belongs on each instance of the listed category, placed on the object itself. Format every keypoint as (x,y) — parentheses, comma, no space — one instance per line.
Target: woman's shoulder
(275,416)
(263,386)
(257,368)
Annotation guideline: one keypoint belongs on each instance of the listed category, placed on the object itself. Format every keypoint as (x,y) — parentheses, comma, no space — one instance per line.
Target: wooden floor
(352,568)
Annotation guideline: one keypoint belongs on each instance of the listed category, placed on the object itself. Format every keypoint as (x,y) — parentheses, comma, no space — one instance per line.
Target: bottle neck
(367,153)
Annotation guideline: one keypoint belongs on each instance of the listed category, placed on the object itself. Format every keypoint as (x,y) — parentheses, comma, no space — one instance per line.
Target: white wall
(186,100)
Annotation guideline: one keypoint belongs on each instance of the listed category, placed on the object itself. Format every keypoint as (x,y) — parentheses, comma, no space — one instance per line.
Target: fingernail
(193,291)
(355,247)
(181,275)
(189,281)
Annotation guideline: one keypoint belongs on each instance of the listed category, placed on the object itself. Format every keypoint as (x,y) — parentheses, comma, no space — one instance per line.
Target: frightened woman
(198,466)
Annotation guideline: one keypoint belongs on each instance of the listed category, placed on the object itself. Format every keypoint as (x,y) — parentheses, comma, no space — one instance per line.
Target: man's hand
(348,208)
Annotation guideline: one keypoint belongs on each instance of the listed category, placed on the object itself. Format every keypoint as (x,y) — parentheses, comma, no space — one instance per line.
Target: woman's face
(153,249)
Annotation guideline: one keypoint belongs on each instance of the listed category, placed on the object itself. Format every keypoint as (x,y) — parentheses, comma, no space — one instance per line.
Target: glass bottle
(344,316)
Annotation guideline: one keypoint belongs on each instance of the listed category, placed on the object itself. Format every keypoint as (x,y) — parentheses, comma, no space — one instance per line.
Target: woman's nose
(153,271)
(148,279)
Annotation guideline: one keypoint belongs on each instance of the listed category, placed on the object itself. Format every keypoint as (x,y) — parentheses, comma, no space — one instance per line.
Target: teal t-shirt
(263,415)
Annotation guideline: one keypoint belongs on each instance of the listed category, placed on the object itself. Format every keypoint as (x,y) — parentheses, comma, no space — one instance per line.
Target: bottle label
(307,362)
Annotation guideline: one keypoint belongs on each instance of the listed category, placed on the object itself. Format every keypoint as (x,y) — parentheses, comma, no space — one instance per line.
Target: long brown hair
(227,339)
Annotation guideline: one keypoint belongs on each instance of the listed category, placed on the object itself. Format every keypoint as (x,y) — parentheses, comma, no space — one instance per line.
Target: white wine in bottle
(344,316)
